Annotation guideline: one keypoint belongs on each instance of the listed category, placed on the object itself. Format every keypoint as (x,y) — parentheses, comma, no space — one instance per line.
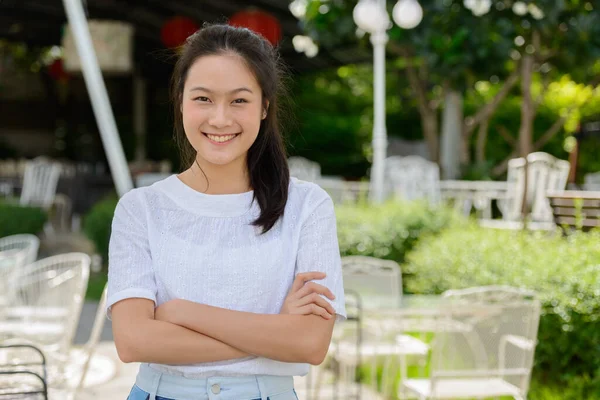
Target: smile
(220,139)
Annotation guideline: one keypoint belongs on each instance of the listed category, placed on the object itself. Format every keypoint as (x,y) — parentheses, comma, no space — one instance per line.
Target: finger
(313,309)
(314,298)
(302,278)
(313,287)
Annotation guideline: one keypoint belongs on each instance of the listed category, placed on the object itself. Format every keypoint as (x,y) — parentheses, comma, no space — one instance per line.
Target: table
(475,194)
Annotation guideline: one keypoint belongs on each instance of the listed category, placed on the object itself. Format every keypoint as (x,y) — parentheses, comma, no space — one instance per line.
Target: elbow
(128,348)
(316,351)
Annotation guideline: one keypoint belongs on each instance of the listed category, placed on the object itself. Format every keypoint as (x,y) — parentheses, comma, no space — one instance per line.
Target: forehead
(221,73)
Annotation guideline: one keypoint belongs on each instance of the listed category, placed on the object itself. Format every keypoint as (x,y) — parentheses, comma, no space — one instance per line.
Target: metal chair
(380,338)
(47,305)
(29,243)
(39,183)
(412,178)
(494,359)
(304,169)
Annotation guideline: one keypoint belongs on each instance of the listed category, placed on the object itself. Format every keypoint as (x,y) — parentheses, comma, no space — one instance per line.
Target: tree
(460,43)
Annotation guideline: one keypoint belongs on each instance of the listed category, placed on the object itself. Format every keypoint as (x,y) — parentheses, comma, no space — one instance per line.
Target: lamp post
(371,16)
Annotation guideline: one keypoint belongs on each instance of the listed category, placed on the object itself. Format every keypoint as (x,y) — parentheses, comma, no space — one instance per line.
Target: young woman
(211,272)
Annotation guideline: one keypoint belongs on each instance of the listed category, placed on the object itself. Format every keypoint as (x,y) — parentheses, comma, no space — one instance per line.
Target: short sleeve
(130,273)
(318,249)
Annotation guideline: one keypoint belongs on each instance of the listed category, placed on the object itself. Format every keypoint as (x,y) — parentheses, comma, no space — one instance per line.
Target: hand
(304,299)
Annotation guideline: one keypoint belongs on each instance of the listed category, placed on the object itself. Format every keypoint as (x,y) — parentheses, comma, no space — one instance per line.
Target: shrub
(16,219)
(389,230)
(564,271)
(97,224)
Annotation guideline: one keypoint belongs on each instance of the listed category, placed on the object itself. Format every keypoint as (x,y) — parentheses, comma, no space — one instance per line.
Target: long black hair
(267,160)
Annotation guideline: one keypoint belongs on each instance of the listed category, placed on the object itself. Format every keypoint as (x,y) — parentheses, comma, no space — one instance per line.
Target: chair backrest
(11,265)
(304,169)
(39,182)
(486,332)
(148,178)
(54,286)
(544,173)
(373,279)
(412,178)
(591,181)
(28,242)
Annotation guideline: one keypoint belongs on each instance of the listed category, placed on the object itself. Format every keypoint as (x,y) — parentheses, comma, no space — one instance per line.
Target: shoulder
(307,195)
(138,200)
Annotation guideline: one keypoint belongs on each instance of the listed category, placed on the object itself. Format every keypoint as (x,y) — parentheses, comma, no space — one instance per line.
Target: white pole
(379,40)
(98,96)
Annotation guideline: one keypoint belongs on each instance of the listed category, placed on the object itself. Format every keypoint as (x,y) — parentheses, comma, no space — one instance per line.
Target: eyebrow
(242,89)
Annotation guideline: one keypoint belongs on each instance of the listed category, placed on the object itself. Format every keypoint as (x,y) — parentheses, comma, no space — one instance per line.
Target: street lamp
(371,16)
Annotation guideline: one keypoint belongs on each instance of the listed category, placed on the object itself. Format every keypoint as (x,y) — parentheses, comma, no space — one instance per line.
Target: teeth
(220,139)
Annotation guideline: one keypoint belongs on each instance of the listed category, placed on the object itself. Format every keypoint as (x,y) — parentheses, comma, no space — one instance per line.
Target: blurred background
(459,139)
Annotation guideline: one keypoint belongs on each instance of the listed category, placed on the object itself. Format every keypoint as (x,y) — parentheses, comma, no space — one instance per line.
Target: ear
(265,110)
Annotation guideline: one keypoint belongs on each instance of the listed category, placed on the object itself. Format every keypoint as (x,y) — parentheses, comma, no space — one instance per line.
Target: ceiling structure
(40,22)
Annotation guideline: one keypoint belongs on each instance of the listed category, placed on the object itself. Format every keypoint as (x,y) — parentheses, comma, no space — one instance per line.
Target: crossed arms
(184,332)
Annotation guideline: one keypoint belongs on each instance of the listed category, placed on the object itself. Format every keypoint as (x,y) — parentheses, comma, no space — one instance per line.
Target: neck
(222,179)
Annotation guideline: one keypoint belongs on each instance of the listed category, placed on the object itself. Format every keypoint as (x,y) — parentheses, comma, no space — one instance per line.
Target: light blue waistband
(215,388)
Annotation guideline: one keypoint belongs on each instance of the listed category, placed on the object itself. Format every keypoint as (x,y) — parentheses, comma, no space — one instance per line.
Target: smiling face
(222,108)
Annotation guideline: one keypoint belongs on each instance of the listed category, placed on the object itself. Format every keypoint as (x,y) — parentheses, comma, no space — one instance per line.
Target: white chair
(495,359)
(412,178)
(39,183)
(544,173)
(372,278)
(11,265)
(148,178)
(591,181)
(27,242)
(47,305)
(304,169)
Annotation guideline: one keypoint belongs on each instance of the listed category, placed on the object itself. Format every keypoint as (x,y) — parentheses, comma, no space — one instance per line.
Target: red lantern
(260,22)
(174,32)
(57,71)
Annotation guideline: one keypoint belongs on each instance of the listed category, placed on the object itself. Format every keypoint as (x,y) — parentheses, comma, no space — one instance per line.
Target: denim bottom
(154,385)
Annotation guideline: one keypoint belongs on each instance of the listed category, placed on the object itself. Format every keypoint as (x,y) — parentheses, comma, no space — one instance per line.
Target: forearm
(288,338)
(162,342)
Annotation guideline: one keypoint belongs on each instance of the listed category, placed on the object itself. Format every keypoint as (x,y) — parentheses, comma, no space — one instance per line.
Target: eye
(240,101)
(202,99)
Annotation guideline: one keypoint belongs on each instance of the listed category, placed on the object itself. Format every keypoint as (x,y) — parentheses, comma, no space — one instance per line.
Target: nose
(220,117)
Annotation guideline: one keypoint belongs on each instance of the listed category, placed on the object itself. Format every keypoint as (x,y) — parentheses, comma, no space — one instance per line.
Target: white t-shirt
(170,241)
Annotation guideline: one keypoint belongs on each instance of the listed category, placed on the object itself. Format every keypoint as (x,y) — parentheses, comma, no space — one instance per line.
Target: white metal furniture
(495,359)
(412,178)
(39,183)
(147,179)
(368,277)
(544,173)
(48,299)
(304,169)
(27,242)
(591,181)
(478,195)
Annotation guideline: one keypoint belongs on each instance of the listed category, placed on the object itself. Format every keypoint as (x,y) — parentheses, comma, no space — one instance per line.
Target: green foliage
(16,219)
(564,271)
(389,230)
(97,224)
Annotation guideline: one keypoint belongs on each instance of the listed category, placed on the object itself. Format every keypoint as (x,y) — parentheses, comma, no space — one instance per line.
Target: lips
(221,138)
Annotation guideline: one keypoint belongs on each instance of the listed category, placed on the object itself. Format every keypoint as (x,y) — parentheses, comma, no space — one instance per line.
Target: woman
(211,270)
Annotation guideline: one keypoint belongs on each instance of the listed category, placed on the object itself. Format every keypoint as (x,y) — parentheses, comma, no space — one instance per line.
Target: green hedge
(389,230)
(97,224)
(16,219)
(564,271)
